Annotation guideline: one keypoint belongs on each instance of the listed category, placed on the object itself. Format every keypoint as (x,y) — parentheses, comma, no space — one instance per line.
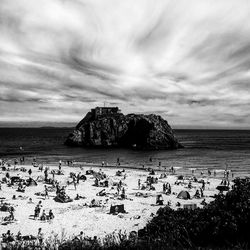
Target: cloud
(186,60)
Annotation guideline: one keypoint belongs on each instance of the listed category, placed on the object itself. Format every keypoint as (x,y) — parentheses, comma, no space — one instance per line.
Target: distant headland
(108,127)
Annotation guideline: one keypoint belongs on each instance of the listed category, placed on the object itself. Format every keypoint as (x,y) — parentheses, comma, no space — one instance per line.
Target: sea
(203,150)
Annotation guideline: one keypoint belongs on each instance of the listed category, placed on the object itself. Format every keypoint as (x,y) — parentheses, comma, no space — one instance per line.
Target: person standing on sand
(78,178)
(159,165)
(118,189)
(172,169)
(74,182)
(37,211)
(203,185)
(53,174)
(80,236)
(139,183)
(11,211)
(39,205)
(40,236)
(30,172)
(43,216)
(46,192)
(123,195)
(51,215)
(118,161)
(201,191)
(46,174)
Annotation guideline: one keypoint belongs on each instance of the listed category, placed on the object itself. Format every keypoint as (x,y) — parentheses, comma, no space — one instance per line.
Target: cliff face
(128,131)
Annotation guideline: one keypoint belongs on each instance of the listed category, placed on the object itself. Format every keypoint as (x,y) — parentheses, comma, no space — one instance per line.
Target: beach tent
(184,195)
(117,209)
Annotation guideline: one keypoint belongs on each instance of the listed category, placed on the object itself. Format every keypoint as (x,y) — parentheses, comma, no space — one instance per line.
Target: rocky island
(108,127)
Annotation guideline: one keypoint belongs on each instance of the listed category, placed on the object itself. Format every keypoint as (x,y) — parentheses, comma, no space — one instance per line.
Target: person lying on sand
(102,193)
(95,203)
(78,197)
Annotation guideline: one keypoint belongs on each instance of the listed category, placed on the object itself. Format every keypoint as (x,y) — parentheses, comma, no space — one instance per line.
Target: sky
(188,61)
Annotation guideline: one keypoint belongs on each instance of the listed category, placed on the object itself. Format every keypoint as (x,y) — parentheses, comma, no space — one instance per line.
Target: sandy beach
(73,217)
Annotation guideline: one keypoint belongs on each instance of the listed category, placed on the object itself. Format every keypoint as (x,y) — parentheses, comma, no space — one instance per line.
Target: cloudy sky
(188,61)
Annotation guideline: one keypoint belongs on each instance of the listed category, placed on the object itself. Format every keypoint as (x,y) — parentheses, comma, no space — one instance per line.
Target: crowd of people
(50,184)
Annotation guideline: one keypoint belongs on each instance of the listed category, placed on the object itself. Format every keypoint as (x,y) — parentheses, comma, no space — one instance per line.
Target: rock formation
(107,127)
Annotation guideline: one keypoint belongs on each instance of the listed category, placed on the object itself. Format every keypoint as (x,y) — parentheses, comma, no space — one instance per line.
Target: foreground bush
(225,222)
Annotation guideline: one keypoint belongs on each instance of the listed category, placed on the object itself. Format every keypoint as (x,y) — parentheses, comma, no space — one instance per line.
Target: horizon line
(73,124)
